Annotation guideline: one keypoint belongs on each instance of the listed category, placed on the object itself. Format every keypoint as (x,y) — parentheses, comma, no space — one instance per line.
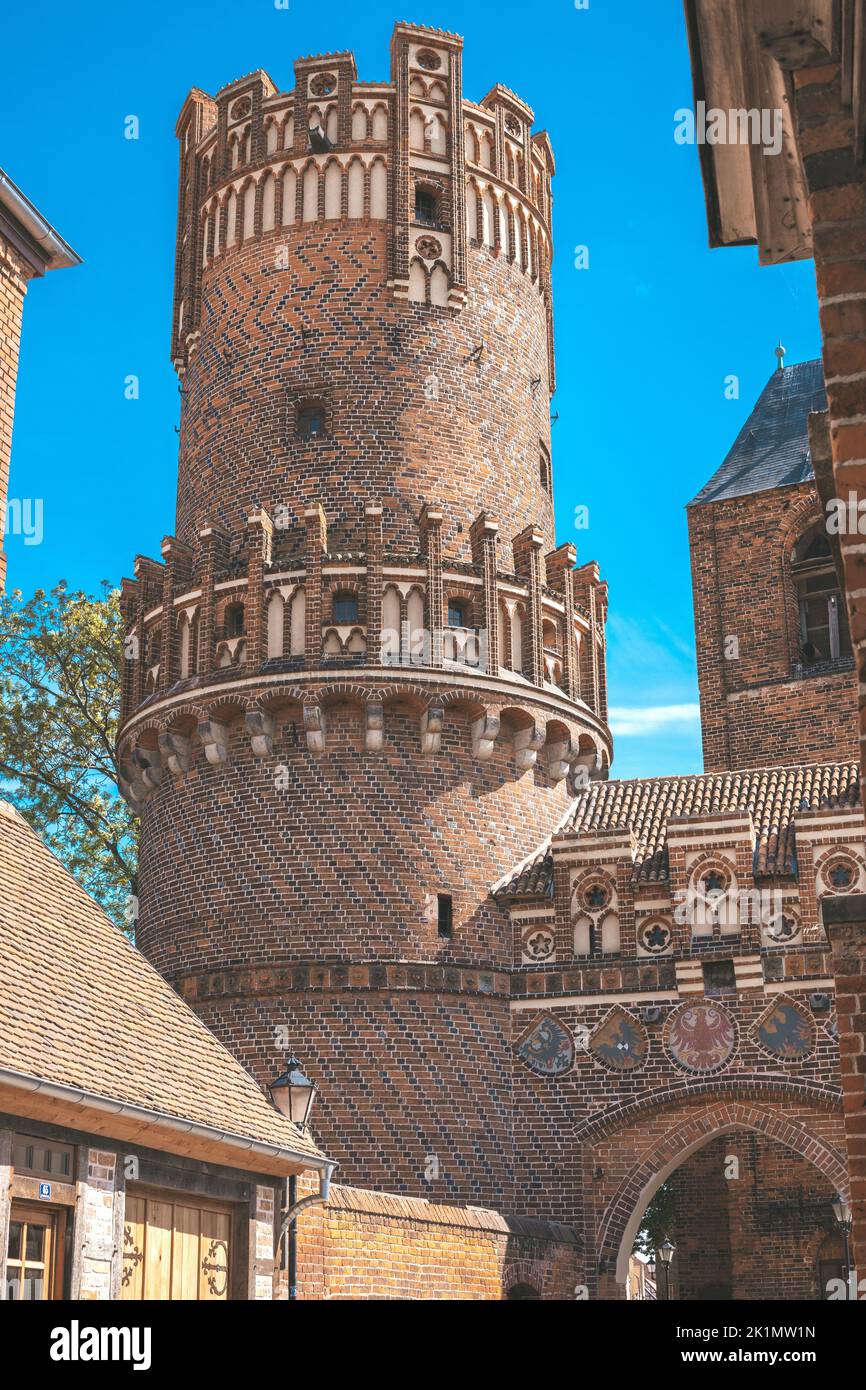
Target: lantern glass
(293,1093)
(841,1211)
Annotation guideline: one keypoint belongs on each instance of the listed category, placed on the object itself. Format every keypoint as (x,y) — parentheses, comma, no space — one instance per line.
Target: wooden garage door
(175,1248)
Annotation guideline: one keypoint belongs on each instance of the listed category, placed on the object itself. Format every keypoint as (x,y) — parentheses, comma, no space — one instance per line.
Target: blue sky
(646,336)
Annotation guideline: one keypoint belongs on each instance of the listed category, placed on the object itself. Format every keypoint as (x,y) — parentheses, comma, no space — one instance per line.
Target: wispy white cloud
(638,723)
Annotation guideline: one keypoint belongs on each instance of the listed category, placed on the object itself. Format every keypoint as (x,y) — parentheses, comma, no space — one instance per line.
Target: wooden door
(175,1248)
(34,1259)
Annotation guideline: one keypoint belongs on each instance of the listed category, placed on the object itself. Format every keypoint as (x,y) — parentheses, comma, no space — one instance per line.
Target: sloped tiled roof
(772,448)
(80,1007)
(772,796)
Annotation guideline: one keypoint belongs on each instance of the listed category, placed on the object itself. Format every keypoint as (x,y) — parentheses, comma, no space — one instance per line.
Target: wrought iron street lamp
(666,1254)
(293,1093)
(843,1214)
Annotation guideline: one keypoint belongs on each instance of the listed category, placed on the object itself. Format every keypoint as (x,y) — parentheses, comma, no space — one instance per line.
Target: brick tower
(775,668)
(362,681)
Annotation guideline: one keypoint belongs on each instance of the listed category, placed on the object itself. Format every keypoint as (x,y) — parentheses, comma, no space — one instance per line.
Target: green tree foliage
(659,1222)
(60,661)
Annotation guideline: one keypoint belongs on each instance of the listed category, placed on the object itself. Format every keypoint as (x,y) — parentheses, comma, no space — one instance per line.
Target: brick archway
(623,1213)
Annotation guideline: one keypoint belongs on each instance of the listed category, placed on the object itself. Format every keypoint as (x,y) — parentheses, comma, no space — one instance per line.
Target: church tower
(362,680)
(775,668)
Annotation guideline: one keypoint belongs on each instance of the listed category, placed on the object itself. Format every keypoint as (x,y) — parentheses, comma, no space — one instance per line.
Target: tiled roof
(81,1007)
(772,796)
(772,448)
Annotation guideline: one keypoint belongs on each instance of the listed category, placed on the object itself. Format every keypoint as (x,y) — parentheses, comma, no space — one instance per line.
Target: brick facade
(760,703)
(309,793)
(28,247)
(766,1230)
(560,1037)
(14,275)
(373,1245)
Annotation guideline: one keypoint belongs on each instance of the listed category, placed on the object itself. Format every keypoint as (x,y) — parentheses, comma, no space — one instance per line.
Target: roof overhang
(35,1098)
(32,234)
(743,57)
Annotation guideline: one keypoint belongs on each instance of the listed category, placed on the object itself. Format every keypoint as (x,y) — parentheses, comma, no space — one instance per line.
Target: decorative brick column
(317,542)
(484,536)
(260,533)
(373,517)
(431,547)
(845,921)
(560,566)
(214,543)
(95,1253)
(265,1235)
(177,559)
(529,566)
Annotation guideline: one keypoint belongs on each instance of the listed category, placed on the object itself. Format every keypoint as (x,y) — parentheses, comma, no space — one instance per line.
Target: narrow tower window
(345,609)
(311,420)
(544,470)
(426,207)
(446,916)
(456,614)
(824,634)
(234,620)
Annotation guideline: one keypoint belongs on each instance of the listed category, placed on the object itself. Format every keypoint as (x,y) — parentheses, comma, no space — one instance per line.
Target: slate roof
(81,1007)
(773,796)
(772,448)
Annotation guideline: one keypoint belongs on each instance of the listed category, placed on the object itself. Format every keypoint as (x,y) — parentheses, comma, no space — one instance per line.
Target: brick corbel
(260,727)
(314,728)
(374,725)
(177,753)
(485,731)
(431,729)
(215,740)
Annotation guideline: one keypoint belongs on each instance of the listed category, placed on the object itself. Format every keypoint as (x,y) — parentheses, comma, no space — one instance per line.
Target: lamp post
(293,1094)
(842,1213)
(666,1254)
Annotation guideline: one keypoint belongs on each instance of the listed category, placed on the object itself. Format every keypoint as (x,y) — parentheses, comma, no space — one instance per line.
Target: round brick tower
(361,682)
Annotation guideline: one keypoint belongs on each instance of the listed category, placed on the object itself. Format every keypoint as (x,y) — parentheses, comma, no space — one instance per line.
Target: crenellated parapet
(223,636)
(444,175)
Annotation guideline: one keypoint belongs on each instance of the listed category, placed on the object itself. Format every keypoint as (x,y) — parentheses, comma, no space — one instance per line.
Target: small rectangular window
(719,977)
(446,916)
(41,1159)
